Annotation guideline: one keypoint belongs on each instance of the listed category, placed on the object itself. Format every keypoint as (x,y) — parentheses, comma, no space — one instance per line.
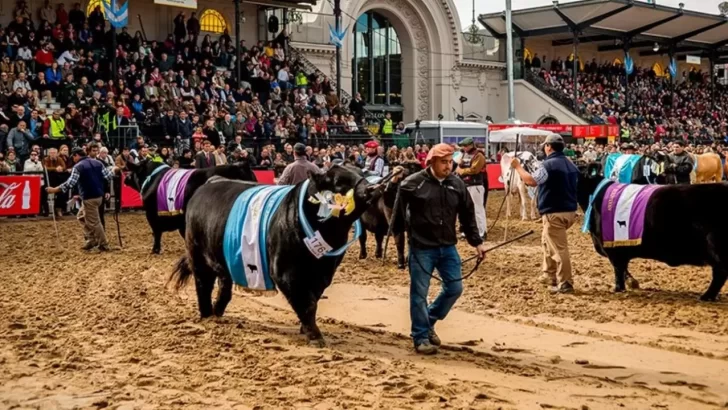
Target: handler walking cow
(432,200)
(557,181)
(470,171)
(90,174)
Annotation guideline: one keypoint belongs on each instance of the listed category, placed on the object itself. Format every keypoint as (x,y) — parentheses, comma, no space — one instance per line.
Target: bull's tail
(181,273)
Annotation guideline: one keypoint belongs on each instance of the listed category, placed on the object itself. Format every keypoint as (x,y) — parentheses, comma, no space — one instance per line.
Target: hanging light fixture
(473,35)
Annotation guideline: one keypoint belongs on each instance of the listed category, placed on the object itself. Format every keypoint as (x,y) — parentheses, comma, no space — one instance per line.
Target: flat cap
(554,139)
(467,141)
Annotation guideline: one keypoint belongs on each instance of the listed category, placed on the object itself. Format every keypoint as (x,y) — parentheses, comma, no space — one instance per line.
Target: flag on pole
(628,64)
(118,17)
(337,37)
(672,68)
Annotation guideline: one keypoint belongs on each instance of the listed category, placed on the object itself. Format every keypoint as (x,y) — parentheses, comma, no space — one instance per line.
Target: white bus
(449,132)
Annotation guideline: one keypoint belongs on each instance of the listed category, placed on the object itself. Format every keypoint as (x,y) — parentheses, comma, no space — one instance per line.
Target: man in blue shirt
(90,175)
(556,181)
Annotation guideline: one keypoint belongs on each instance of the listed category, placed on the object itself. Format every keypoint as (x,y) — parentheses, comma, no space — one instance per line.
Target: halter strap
(309,231)
(149,178)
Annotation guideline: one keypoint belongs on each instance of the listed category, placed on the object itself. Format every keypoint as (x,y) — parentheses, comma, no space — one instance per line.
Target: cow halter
(155,172)
(312,236)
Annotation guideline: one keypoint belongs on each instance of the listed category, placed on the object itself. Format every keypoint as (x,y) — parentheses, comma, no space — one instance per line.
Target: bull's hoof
(378,255)
(619,289)
(362,256)
(709,298)
(156,251)
(632,283)
(318,343)
(400,265)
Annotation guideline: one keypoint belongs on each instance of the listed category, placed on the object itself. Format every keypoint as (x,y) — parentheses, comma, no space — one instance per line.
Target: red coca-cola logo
(19,195)
(7,195)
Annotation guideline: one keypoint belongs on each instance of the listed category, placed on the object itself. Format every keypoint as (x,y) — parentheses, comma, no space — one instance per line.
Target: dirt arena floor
(89,330)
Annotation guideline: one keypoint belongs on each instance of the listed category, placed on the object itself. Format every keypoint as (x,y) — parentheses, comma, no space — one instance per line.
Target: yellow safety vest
(388,127)
(58,128)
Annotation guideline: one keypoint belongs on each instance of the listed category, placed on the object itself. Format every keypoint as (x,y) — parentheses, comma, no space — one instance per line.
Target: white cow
(514,185)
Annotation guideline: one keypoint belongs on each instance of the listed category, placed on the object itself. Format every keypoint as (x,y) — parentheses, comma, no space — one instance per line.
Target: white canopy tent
(510,135)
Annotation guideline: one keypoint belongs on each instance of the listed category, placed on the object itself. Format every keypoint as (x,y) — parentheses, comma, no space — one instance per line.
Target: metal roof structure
(612,24)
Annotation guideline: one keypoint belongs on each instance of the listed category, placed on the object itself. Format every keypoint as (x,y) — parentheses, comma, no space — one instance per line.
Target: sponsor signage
(692,59)
(576,131)
(20,195)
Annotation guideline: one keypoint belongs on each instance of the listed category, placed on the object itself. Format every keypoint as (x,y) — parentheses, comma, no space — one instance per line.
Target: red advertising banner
(129,197)
(597,131)
(19,195)
(265,176)
(577,131)
(494,177)
(557,128)
(612,130)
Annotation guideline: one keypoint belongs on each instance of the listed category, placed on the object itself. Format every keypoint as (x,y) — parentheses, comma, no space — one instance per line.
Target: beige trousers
(88,215)
(556,259)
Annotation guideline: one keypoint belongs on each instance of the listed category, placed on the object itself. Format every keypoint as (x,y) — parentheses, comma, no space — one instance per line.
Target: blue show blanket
(620,167)
(246,233)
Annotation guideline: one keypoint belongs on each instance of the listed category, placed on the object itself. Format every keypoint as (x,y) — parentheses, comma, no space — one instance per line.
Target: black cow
(299,275)
(677,231)
(161,224)
(376,220)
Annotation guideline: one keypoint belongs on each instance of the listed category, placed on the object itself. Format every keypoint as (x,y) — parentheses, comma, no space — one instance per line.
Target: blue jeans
(422,262)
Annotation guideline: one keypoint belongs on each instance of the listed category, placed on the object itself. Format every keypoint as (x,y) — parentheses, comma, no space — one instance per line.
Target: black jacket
(432,208)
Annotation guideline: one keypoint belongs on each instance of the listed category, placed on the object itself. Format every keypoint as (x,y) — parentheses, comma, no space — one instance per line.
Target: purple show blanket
(171,191)
(623,214)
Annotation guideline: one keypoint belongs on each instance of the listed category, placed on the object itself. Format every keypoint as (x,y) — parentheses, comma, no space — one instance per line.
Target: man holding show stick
(431,201)
(91,175)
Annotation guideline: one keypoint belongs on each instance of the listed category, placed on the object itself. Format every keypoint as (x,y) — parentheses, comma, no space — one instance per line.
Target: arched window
(212,21)
(92,5)
(548,119)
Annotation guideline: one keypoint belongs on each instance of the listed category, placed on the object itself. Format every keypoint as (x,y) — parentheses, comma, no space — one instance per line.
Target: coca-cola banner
(19,195)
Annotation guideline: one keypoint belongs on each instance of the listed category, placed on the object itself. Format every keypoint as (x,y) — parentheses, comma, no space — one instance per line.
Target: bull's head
(590,176)
(139,172)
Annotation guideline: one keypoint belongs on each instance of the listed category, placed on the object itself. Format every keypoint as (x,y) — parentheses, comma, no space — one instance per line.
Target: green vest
(57,128)
(388,127)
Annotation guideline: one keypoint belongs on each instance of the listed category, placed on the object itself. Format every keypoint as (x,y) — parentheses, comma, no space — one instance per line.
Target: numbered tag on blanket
(317,245)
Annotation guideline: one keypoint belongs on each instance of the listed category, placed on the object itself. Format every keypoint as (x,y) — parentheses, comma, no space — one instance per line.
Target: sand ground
(90,330)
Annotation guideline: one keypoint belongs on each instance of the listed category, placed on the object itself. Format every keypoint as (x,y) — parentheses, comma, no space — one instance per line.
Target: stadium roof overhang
(618,24)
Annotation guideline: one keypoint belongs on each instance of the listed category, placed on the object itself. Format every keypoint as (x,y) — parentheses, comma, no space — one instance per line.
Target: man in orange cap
(432,200)
(374,164)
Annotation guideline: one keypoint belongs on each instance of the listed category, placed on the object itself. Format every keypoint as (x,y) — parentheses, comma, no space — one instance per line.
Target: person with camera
(431,201)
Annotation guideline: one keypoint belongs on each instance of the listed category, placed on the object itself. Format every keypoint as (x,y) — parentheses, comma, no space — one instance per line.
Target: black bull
(161,224)
(677,229)
(376,220)
(296,273)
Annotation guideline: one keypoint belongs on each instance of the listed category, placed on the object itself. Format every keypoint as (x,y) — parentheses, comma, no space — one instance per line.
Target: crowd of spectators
(181,94)
(648,107)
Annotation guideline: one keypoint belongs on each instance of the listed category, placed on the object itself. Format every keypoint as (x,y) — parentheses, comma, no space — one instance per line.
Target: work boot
(425,348)
(434,338)
(565,287)
(88,246)
(546,279)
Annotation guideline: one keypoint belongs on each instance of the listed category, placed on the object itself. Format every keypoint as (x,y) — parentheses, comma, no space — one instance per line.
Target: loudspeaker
(273,24)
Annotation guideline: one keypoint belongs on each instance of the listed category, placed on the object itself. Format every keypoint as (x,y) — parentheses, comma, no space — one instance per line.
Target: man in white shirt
(67,57)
